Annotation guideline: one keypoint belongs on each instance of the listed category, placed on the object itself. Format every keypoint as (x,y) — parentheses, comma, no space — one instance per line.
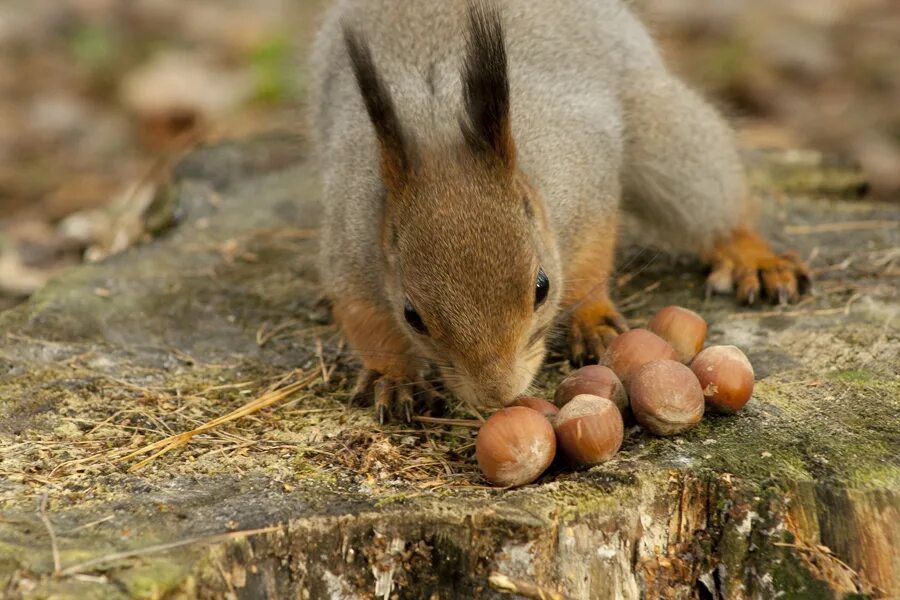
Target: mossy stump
(796,497)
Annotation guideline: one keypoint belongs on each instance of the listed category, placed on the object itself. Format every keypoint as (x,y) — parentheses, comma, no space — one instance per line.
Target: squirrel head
(472,267)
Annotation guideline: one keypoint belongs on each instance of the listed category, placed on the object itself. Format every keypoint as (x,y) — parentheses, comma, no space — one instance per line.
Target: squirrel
(478,158)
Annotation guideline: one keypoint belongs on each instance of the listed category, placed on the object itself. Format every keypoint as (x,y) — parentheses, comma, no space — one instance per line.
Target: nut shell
(596,380)
(514,446)
(633,349)
(589,429)
(726,378)
(548,409)
(684,329)
(666,397)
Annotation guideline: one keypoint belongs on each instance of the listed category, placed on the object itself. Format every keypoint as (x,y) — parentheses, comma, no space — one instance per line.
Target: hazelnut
(726,377)
(514,446)
(633,349)
(589,429)
(596,380)
(666,397)
(684,329)
(548,409)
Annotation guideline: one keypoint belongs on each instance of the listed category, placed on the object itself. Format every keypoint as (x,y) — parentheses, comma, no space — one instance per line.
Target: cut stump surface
(799,493)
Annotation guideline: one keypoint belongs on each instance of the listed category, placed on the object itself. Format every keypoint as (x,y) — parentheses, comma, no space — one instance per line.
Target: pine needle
(271,396)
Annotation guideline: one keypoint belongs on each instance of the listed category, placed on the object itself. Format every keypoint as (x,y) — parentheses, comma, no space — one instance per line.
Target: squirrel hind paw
(745,266)
(779,279)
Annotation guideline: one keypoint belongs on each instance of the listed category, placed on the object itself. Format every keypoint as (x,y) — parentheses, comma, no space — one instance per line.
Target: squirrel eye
(414,319)
(541,288)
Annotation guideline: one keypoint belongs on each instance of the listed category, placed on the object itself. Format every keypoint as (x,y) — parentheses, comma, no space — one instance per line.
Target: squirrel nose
(491,383)
(501,385)
(485,389)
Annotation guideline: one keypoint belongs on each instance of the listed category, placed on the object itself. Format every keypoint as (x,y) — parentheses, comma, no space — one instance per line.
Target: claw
(593,347)
(747,285)
(592,331)
(433,402)
(617,322)
(393,396)
(404,401)
(720,279)
(746,262)
(601,339)
(381,414)
(364,386)
(801,272)
(783,296)
(577,347)
(384,394)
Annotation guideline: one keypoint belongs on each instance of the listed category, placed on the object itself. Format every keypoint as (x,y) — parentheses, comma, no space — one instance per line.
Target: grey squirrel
(477,156)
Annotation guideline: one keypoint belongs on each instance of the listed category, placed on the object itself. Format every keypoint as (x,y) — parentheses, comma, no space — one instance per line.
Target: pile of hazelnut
(660,374)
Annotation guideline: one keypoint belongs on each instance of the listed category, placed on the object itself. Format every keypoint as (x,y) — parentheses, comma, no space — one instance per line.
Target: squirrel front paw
(594,326)
(394,397)
(745,265)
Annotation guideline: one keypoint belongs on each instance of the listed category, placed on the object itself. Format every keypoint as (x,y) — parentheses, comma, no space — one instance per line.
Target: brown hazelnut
(548,409)
(633,349)
(589,429)
(666,397)
(596,380)
(514,446)
(684,329)
(726,377)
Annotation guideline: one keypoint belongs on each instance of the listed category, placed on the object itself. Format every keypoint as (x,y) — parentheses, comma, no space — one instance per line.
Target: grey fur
(597,120)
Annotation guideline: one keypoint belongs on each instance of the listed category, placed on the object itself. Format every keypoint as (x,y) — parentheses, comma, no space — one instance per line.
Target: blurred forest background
(99,97)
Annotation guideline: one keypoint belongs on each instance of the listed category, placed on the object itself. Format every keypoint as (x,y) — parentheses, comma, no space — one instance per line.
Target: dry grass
(295,424)
(275,394)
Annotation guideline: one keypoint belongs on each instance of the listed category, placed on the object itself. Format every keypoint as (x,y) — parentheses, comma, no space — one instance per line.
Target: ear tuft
(487,126)
(395,148)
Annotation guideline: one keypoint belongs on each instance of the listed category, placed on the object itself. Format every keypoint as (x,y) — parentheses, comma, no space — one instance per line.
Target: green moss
(305,470)
(390,499)
(753,551)
(829,431)
(154,578)
(854,376)
(603,491)
(793,580)
(880,475)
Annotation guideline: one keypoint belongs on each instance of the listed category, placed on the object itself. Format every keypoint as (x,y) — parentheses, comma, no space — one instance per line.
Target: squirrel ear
(395,149)
(487,126)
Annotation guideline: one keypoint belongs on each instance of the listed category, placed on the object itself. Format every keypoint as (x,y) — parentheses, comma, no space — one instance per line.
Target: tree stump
(796,496)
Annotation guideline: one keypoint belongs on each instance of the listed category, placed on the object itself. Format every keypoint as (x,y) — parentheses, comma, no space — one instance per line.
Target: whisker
(605,281)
